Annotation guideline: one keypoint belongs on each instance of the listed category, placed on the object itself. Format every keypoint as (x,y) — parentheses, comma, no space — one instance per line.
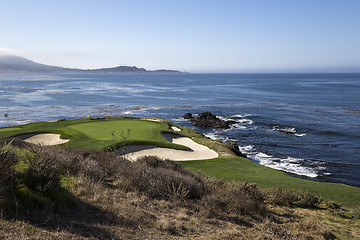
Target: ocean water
(305,124)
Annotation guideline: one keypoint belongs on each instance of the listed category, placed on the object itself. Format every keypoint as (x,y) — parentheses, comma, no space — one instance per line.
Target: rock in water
(187,116)
(235,148)
(208,120)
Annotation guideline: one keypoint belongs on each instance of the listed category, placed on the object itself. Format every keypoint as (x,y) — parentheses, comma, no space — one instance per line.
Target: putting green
(100,134)
(134,130)
(8,129)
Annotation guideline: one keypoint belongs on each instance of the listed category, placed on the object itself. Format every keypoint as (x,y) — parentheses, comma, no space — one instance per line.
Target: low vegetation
(82,190)
(241,169)
(59,193)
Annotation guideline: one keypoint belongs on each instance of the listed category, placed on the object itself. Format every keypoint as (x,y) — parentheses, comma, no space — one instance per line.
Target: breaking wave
(288,130)
(289,164)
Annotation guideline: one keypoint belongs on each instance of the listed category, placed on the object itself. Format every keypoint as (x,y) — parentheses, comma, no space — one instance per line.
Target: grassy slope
(97,134)
(240,169)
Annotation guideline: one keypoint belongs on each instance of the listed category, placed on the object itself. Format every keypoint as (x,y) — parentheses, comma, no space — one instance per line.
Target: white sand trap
(197,152)
(176,129)
(152,119)
(43,139)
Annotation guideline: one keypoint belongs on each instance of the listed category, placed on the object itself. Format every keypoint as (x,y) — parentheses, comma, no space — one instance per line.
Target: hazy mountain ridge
(17,64)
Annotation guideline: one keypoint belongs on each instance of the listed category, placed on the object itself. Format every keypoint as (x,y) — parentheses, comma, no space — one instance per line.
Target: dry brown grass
(106,197)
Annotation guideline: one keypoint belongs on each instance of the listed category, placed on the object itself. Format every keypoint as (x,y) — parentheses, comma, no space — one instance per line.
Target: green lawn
(241,169)
(100,134)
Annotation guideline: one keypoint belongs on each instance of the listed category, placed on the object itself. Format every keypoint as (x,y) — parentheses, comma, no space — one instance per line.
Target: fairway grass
(241,169)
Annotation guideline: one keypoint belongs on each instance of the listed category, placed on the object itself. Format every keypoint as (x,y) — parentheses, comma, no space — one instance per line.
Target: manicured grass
(240,169)
(8,129)
(100,134)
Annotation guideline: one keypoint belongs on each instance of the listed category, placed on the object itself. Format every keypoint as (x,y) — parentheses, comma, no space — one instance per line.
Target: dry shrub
(225,198)
(41,175)
(356,212)
(335,208)
(161,179)
(284,197)
(270,230)
(7,174)
(311,230)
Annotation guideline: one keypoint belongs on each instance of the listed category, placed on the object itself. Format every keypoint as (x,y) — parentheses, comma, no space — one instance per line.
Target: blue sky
(195,36)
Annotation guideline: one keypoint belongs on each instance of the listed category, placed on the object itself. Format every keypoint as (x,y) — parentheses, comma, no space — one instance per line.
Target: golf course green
(110,133)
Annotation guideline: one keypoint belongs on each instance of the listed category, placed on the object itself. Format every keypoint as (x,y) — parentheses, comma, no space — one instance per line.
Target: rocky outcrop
(187,116)
(208,120)
(235,148)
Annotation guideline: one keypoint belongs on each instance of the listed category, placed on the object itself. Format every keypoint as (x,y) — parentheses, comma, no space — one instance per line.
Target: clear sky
(188,35)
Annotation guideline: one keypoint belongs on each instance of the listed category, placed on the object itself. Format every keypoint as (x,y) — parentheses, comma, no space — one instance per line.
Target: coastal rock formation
(187,116)
(235,148)
(208,120)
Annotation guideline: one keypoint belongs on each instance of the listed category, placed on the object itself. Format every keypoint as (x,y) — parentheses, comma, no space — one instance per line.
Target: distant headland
(17,64)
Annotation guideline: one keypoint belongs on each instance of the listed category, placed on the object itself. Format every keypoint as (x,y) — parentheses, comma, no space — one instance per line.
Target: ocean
(307,125)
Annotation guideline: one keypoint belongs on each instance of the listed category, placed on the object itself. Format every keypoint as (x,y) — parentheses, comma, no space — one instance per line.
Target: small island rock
(208,120)
(187,116)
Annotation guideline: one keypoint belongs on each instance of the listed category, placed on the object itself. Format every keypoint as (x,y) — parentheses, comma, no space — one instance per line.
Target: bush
(224,198)
(309,200)
(41,175)
(161,179)
(335,208)
(285,197)
(8,177)
(356,212)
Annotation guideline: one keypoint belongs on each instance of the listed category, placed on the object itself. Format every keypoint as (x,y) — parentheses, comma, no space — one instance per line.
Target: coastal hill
(86,188)
(17,64)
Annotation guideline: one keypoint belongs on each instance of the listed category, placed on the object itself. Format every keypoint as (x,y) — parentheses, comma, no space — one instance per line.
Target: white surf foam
(240,115)
(288,164)
(216,136)
(239,126)
(288,130)
(245,121)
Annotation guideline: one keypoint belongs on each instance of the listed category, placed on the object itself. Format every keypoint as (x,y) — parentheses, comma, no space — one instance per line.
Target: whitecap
(288,164)
(241,115)
(225,118)
(212,136)
(248,149)
(245,121)
(239,126)
(216,136)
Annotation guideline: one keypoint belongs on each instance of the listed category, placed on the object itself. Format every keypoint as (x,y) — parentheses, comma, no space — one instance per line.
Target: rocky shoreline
(209,120)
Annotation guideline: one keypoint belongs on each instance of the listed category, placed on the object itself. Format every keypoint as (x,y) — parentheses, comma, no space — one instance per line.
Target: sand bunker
(197,152)
(152,119)
(175,129)
(43,139)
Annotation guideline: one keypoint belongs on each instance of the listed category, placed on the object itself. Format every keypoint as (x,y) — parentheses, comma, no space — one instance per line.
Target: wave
(216,136)
(239,126)
(245,121)
(239,119)
(240,115)
(289,164)
(288,130)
